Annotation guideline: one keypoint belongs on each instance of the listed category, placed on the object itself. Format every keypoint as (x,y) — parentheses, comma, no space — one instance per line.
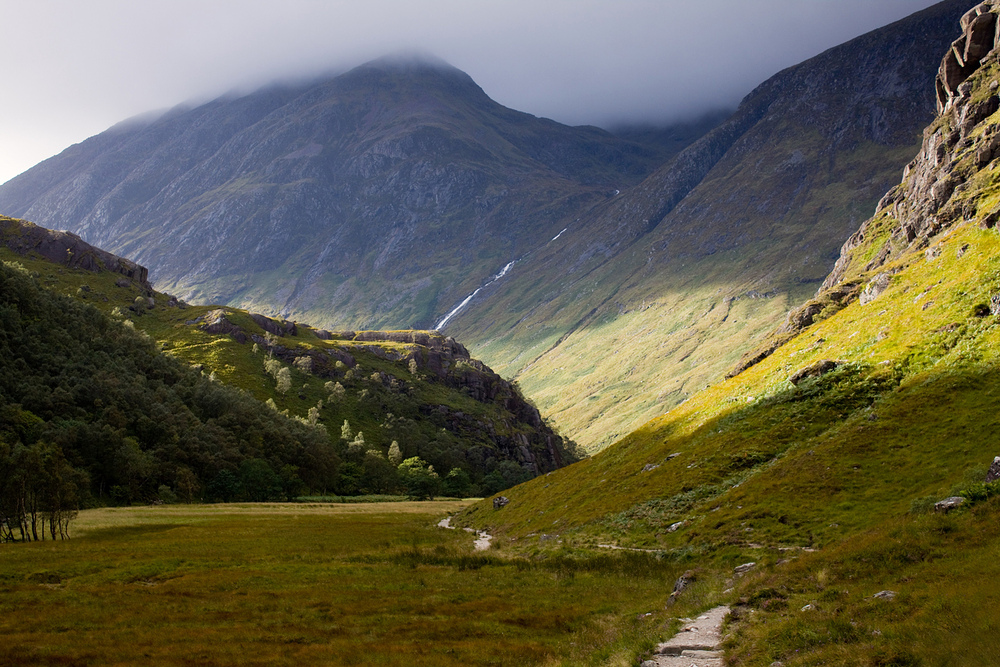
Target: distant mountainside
(80,366)
(656,293)
(841,495)
(376,198)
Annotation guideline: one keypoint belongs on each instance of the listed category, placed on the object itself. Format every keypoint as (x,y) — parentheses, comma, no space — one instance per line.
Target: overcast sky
(72,68)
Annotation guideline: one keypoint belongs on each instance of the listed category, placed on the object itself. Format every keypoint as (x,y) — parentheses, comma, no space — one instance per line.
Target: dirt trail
(695,645)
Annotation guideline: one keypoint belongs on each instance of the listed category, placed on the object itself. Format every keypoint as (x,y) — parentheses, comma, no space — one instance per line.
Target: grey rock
(995,305)
(684,580)
(500,501)
(994,472)
(674,527)
(650,466)
(744,568)
(885,595)
(874,289)
(948,504)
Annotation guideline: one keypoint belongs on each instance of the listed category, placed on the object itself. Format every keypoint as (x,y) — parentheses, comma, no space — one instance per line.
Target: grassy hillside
(829,483)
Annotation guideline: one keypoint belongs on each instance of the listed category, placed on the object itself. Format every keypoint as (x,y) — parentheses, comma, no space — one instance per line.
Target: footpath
(695,645)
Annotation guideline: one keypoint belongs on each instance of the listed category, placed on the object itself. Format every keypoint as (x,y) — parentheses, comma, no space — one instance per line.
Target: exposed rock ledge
(68,249)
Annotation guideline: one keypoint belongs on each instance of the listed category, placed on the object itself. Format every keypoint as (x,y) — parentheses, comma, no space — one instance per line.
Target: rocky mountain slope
(657,293)
(840,494)
(420,390)
(376,198)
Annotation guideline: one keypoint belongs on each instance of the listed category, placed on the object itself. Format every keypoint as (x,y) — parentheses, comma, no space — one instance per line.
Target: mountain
(611,284)
(374,198)
(841,493)
(656,293)
(222,385)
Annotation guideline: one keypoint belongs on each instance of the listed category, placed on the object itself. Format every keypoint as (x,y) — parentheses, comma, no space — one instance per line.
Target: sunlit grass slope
(835,474)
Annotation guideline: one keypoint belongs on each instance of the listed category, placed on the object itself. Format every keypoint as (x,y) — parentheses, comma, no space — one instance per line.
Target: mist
(73,69)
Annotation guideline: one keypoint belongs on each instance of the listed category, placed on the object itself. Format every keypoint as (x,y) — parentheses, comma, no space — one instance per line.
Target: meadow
(336,584)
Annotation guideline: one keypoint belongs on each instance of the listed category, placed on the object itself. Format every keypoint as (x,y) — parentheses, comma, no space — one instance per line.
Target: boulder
(500,501)
(815,370)
(683,581)
(276,327)
(215,322)
(948,504)
(744,568)
(874,289)
(885,595)
(994,472)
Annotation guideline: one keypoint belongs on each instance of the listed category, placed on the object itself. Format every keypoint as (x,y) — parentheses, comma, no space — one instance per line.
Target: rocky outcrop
(930,198)
(814,371)
(276,327)
(979,37)
(217,322)
(68,249)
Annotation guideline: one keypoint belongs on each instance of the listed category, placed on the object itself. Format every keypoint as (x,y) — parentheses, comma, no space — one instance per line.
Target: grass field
(304,584)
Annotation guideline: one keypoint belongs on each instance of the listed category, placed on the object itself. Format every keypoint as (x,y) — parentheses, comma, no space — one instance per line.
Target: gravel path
(695,645)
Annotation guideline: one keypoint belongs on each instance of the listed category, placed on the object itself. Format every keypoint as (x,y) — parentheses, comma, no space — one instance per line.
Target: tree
(284,378)
(457,483)
(224,486)
(379,474)
(419,479)
(395,454)
(345,431)
(259,481)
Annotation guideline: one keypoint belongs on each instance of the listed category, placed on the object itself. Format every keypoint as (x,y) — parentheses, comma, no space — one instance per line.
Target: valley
(776,336)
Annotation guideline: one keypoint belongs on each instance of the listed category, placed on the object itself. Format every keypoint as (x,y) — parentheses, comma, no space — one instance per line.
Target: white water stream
(466,300)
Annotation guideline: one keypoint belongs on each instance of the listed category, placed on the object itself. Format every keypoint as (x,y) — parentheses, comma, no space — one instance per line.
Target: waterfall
(466,300)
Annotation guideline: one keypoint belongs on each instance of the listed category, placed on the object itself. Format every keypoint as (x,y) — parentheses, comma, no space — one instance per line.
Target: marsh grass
(344,584)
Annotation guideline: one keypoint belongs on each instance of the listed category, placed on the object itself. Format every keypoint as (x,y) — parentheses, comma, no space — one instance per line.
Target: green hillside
(355,393)
(829,483)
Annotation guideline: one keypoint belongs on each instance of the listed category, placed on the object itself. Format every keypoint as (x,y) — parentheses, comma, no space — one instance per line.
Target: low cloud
(79,67)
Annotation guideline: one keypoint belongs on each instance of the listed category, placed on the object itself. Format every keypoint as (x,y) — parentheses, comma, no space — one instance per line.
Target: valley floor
(284,584)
